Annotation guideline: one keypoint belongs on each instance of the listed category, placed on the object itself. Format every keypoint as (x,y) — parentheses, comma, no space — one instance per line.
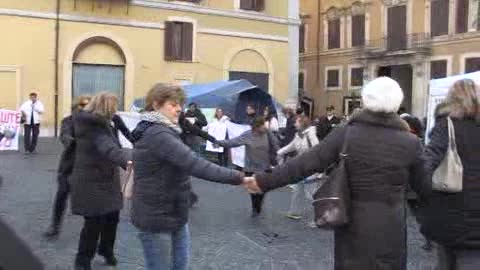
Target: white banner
(218,130)
(10,129)
(131,120)
(238,153)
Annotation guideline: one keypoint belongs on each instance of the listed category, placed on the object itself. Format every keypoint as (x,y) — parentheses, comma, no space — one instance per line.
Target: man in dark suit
(327,123)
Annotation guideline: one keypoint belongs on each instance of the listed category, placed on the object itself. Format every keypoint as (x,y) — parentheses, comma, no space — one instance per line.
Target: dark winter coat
(289,132)
(95,179)
(120,126)
(325,126)
(453,219)
(163,165)
(382,158)
(67,139)
(192,132)
(189,129)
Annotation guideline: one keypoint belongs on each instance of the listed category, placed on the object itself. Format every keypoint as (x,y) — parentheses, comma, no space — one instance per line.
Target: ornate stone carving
(395,2)
(333,13)
(357,8)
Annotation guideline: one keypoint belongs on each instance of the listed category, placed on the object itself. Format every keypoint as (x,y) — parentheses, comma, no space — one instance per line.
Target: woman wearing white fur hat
(382,158)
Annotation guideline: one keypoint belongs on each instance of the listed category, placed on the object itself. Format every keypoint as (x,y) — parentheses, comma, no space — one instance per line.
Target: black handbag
(331,202)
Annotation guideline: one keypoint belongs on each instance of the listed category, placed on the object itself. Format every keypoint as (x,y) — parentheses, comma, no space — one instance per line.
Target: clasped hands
(251,185)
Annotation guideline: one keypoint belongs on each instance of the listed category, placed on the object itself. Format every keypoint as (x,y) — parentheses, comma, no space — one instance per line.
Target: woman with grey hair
(382,157)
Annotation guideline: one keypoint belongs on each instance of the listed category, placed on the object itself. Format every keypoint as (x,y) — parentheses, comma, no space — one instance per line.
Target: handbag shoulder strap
(343,153)
(309,142)
(452,143)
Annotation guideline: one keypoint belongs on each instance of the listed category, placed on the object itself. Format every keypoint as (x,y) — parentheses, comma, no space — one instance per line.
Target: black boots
(80,265)
(110,260)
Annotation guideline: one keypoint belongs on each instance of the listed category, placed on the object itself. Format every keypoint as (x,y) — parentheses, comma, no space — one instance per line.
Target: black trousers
(103,228)
(59,206)
(257,199)
(223,159)
(31,137)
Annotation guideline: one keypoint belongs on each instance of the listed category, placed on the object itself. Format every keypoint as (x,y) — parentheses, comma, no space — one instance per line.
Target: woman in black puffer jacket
(95,181)
(453,219)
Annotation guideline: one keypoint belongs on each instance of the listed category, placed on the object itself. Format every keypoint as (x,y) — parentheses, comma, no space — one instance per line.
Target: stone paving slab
(224,236)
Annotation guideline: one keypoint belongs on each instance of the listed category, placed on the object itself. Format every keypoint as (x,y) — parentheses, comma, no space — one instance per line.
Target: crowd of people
(387,161)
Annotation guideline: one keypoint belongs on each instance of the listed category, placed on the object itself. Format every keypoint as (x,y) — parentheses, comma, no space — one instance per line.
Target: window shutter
(472,65)
(358,30)
(333,78)
(259,5)
(302,38)
(439,18)
(356,77)
(334,34)
(438,69)
(301,80)
(168,41)
(397,28)
(462,16)
(187,42)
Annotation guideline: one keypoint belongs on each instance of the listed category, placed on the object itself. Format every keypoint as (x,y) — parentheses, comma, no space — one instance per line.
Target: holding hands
(250,184)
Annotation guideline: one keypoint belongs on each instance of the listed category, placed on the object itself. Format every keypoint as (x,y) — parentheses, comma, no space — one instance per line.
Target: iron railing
(393,43)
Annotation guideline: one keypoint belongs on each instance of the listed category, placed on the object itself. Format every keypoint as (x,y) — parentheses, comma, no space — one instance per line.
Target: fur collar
(387,120)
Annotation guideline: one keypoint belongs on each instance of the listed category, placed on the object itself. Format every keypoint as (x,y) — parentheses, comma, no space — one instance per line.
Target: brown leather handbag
(331,201)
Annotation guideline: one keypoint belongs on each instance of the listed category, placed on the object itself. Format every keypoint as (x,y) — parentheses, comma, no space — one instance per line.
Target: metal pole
(57,41)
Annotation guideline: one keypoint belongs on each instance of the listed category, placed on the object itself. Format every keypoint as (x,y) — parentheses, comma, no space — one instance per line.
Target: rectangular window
(462,16)
(254,5)
(302,38)
(438,69)
(439,15)
(334,34)
(358,30)
(178,41)
(301,80)
(397,28)
(356,77)
(333,78)
(472,65)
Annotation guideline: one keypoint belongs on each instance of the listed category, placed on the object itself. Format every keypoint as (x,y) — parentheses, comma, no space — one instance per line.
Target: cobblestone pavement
(224,235)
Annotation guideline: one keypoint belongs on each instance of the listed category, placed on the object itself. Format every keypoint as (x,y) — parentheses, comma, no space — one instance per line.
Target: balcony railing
(413,42)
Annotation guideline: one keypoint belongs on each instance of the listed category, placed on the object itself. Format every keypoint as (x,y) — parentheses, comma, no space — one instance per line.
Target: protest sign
(9,129)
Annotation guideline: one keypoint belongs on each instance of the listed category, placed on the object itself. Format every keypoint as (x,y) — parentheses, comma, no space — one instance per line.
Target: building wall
(253,41)
(453,47)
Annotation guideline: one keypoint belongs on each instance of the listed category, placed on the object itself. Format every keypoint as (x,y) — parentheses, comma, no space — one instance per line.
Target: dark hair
(161,93)
(270,113)
(33,94)
(193,104)
(258,122)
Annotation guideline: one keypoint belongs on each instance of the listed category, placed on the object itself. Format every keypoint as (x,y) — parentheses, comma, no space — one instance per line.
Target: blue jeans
(166,251)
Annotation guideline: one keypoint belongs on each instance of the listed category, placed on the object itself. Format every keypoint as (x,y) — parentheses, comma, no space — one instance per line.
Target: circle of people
(387,163)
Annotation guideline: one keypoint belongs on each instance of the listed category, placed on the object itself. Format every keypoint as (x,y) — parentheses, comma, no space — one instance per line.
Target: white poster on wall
(9,130)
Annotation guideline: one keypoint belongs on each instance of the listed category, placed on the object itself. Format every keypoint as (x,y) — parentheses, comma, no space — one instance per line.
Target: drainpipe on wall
(318,40)
(56,64)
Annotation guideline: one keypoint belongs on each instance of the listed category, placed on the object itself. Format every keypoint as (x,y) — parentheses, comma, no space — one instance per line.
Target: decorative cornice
(239,14)
(221,32)
(390,3)
(133,23)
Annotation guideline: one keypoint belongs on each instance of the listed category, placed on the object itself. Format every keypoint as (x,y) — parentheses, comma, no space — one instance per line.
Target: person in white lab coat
(32,110)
